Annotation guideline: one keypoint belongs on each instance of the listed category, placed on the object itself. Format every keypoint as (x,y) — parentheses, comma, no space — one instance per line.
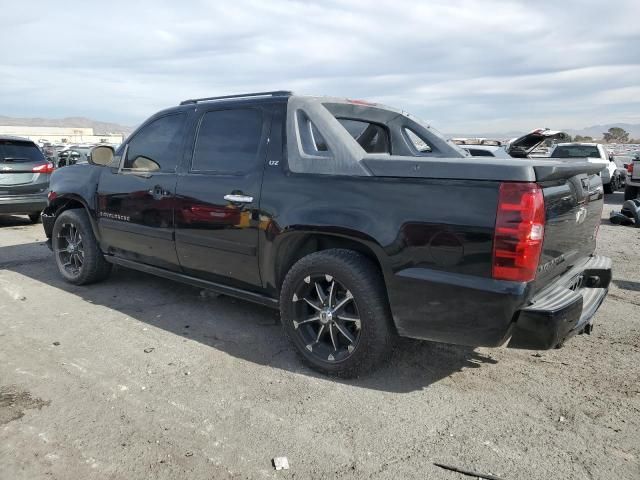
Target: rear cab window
(576,151)
(372,137)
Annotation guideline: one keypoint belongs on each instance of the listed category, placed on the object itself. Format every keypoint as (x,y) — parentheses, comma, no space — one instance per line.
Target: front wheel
(334,308)
(76,249)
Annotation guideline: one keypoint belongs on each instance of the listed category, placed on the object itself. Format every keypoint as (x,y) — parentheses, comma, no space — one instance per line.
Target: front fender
(59,205)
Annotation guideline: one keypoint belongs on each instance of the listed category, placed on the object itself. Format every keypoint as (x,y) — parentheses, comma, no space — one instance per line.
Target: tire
(618,183)
(354,316)
(78,254)
(609,187)
(34,217)
(630,192)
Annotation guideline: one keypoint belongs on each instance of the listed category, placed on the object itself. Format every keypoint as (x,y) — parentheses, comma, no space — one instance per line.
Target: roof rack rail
(275,93)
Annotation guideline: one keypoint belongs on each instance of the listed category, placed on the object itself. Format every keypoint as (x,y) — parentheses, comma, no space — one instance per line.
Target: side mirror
(101,155)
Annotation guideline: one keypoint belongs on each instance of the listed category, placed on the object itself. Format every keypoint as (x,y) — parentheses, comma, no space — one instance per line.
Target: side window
(418,143)
(313,143)
(372,138)
(227,141)
(157,147)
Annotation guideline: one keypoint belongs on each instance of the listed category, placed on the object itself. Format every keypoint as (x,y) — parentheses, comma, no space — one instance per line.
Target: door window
(157,147)
(228,141)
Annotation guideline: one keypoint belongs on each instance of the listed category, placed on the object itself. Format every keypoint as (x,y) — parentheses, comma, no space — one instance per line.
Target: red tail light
(630,168)
(44,168)
(519,232)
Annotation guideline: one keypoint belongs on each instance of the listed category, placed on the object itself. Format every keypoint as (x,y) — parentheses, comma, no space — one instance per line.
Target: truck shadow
(241,329)
(14,221)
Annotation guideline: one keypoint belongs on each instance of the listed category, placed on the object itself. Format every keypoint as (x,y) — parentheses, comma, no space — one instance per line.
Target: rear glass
(373,138)
(576,151)
(19,151)
(476,152)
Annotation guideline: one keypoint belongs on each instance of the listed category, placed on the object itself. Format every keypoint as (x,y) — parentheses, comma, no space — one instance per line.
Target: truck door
(217,208)
(136,200)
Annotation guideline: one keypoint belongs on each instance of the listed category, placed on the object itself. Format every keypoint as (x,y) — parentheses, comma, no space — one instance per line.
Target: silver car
(24,177)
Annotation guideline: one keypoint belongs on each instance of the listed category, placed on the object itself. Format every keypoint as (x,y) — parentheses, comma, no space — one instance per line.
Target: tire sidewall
(374,330)
(75,217)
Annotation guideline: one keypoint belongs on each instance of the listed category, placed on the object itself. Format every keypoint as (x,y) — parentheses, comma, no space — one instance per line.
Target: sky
(464,66)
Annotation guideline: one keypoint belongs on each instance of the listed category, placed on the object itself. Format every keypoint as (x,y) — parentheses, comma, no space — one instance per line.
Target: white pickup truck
(632,186)
(612,176)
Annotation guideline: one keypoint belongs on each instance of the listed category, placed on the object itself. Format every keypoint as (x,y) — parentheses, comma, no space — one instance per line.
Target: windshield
(576,151)
(11,150)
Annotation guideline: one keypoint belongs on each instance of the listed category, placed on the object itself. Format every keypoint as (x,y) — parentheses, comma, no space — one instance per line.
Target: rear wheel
(334,309)
(630,192)
(34,217)
(608,188)
(619,183)
(76,250)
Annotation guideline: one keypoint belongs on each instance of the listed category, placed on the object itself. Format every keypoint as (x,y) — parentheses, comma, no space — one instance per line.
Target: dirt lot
(139,377)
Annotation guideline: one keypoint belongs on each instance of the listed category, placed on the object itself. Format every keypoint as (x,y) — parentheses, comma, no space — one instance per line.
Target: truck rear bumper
(563,309)
(475,311)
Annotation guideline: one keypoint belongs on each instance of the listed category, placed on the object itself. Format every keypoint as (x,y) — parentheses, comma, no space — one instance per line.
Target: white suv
(612,176)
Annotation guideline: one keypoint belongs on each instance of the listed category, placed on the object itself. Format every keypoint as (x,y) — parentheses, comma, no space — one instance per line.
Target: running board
(196,282)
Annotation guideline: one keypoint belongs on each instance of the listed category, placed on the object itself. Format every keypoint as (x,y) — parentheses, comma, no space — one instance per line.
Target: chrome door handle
(238,198)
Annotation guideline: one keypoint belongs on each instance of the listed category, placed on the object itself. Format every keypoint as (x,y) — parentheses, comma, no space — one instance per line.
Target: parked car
(482,148)
(520,147)
(24,177)
(632,182)
(332,211)
(612,176)
(63,157)
(78,154)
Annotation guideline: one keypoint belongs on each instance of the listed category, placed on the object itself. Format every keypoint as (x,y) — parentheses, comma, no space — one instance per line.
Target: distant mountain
(99,128)
(594,131)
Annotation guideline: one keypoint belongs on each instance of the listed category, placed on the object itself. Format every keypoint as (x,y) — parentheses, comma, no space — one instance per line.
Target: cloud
(463,65)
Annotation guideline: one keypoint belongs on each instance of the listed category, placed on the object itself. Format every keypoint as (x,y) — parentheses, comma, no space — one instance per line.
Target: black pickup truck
(358,221)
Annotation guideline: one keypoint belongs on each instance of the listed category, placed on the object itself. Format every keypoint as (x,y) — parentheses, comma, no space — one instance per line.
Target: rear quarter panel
(439,224)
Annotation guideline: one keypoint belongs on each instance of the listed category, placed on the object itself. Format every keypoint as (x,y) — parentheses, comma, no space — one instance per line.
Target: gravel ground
(140,377)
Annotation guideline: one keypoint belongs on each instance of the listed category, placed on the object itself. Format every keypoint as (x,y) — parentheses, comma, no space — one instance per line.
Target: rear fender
(293,242)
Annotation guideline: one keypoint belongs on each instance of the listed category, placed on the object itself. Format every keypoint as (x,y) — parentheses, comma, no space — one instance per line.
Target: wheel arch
(296,244)
(69,202)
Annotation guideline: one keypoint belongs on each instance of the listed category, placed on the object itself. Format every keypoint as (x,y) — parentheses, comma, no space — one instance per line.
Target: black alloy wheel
(70,250)
(335,311)
(326,318)
(76,250)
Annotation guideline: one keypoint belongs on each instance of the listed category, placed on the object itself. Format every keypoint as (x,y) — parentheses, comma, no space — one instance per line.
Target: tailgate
(635,174)
(573,197)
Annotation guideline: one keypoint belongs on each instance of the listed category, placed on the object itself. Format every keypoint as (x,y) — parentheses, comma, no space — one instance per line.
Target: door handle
(238,198)
(158,192)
